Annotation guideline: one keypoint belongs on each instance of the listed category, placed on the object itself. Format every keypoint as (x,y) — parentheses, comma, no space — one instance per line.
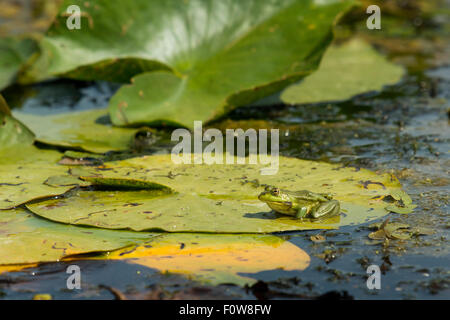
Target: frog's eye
(275,191)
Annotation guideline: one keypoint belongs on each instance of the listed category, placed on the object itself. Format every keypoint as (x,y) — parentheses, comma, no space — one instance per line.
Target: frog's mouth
(280,205)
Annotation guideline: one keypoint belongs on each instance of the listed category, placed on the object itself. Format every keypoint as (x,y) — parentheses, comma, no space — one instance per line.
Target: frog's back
(301,194)
(310,196)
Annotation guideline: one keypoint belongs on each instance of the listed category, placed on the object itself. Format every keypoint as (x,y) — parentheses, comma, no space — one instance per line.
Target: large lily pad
(13,54)
(347,70)
(13,133)
(86,130)
(27,239)
(25,155)
(216,259)
(203,56)
(22,183)
(218,198)
(141,211)
(23,173)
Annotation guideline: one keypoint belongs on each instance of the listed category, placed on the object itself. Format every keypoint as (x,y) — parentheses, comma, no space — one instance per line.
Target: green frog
(300,204)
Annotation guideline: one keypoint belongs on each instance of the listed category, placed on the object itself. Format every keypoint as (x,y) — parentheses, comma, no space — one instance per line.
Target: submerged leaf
(345,71)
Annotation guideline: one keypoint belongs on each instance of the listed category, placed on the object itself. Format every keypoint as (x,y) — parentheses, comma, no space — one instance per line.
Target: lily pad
(396,230)
(202,57)
(4,108)
(401,195)
(401,209)
(217,198)
(142,211)
(26,239)
(16,267)
(128,184)
(345,71)
(23,173)
(87,130)
(12,132)
(402,202)
(216,259)
(25,155)
(65,181)
(13,54)
(231,180)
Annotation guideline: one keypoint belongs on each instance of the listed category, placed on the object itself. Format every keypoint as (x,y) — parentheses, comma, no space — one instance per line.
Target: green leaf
(377,235)
(12,132)
(400,235)
(396,231)
(401,195)
(202,57)
(216,259)
(87,130)
(141,211)
(213,259)
(216,198)
(23,172)
(27,239)
(13,54)
(401,209)
(345,71)
(402,202)
(65,181)
(4,108)
(392,228)
(422,231)
(128,184)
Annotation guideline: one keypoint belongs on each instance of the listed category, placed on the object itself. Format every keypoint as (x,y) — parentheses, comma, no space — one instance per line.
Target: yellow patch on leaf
(216,258)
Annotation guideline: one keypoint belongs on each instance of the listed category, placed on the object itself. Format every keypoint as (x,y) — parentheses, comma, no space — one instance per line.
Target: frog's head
(276,199)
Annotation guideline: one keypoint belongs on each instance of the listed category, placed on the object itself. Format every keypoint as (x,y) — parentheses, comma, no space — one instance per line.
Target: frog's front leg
(328,209)
(305,209)
(301,212)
